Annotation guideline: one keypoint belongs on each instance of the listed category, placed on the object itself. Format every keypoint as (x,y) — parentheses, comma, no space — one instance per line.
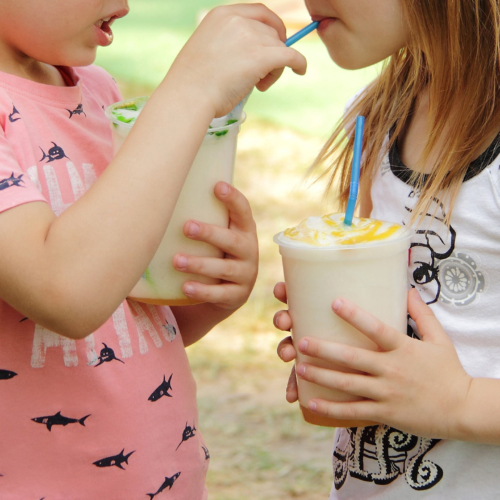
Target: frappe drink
(323,259)
(161,283)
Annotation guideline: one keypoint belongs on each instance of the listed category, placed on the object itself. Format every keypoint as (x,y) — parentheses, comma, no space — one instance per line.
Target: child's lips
(325,22)
(104,32)
(103,27)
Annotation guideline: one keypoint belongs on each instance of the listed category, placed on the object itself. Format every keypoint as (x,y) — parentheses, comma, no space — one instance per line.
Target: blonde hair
(453,53)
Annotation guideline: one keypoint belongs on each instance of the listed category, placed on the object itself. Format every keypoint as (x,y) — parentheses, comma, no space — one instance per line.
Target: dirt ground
(260,448)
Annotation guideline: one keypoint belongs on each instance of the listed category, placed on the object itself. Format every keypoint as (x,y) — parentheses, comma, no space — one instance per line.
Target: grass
(259,444)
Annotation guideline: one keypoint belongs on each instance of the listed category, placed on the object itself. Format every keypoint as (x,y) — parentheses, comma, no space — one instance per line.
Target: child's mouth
(104,32)
(324,23)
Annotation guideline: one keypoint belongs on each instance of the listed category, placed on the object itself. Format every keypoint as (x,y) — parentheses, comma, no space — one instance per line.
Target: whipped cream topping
(330,230)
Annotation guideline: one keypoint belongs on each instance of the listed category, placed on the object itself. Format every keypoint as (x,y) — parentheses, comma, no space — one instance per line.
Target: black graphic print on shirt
(428,249)
(55,153)
(77,111)
(171,331)
(7,374)
(187,433)
(380,454)
(162,390)
(207,453)
(106,355)
(15,115)
(11,181)
(168,483)
(438,270)
(115,460)
(59,419)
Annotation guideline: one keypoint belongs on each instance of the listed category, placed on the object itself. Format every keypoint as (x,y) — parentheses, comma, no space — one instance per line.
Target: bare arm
(69,273)
(197,320)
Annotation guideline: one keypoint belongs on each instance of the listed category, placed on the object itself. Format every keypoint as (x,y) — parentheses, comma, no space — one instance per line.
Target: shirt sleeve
(16,188)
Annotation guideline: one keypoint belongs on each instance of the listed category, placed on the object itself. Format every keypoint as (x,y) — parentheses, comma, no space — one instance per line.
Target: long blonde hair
(454,53)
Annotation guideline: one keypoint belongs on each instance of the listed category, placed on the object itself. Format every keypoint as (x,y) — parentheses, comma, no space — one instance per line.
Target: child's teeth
(102,21)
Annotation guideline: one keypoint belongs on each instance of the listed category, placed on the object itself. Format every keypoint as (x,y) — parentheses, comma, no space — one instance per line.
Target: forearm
(77,268)
(89,258)
(197,320)
(479,419)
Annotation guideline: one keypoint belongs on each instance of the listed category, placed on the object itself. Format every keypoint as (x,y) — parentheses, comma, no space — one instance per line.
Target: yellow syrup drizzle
(364,231)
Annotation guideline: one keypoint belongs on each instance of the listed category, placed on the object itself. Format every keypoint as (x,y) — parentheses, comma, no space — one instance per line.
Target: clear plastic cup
(161,283)
(373,275)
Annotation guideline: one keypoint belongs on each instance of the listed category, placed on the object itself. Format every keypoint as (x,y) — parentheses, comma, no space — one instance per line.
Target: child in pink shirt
(96,396)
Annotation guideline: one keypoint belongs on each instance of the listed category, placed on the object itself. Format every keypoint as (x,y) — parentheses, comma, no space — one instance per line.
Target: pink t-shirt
(112,416)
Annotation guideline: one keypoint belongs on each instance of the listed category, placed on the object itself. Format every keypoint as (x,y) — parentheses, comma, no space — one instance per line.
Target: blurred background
(260,448)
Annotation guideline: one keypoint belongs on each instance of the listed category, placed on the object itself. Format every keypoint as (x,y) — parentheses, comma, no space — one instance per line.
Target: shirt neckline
(53,95)
(402,172)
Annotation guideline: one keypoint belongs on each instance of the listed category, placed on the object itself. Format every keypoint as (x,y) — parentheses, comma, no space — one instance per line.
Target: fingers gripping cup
(161,283)
(323,259)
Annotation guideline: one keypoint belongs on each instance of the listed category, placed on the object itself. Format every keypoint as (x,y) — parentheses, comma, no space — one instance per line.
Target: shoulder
(349,121)
(98,82)
(353,99)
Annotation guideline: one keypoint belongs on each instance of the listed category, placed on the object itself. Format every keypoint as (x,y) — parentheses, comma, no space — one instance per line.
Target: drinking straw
(356,165)
(236,113)
(302,33)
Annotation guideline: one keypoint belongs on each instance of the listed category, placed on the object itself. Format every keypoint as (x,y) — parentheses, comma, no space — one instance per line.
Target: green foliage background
(148,39)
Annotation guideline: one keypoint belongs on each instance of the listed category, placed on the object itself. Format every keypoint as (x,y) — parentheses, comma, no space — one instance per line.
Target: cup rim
(405,235)
(133,100)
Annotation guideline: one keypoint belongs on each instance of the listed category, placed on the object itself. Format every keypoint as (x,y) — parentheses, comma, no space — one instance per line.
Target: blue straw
(356,165)
(302,33)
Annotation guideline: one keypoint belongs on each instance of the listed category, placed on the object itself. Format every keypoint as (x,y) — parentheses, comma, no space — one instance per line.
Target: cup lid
(140,102)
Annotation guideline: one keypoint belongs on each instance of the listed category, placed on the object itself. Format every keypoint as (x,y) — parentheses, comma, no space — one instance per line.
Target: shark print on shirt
(77,111)
(59,419)
(171,331)
(188,433)
(11,181)
(107,354)
(115,460)
(7,374)
(54,153)
(91,392)
(12,117)
(162,390)
(168,483)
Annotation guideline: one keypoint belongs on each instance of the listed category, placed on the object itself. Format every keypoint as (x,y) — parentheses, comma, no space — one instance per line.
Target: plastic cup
(372,275)
(161,283)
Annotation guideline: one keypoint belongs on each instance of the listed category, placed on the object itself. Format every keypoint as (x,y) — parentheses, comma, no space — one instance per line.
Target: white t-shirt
(457,272)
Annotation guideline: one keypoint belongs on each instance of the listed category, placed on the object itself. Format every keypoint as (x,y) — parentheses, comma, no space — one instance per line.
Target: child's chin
(349,61)
(85,58)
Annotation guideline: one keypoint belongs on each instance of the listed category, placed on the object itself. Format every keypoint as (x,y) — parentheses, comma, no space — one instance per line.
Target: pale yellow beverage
(323,259)
(161,283)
